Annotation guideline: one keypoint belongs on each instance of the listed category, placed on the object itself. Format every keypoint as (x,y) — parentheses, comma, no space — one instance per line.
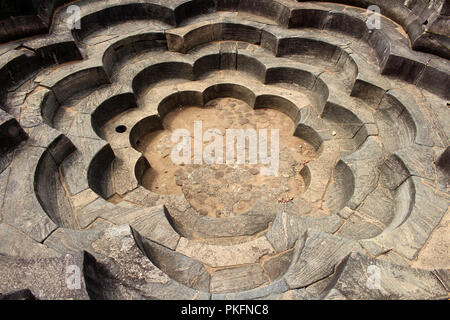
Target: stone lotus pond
(86,166)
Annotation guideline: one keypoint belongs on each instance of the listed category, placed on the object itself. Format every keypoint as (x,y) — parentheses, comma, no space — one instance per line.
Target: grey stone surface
(46,278)
(393,172)
(418,161)
(5,160)
(36,19)
(435,77)
(151,223)
(363,164)
(81,127)
(17,244)
(379,205)
(316,256)
(299,294)
(265,292)
(285,231)
(395,124)
(51,193)
(346,212)
(320,171)
(316,289)
(329,224)
(358,227)
(4,177)
(394,258)
(11,133)
(287,228)
(215,255)
(340,190)
(354,280)
(32,115)
(238,279)
(154,225)
(250,223)
(443,169)
(277,266)
(117,214)
(427,126)
(67,241)
(143,197)
(93,210)
(26,215)
(122,271)
(444,277)
(178,266)
(124,170)
(427,212)
(74,169)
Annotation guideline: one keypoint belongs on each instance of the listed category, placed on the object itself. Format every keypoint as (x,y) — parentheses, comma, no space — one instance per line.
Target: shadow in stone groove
(443,166)
(413,19)
(161,71)
(343,121)
(11,133)
(404,199)
(310,135)
(229,90)
(177,266)
(98,280)
(302,78)
(111,108)
(48,186)
(121,13)
(131,46)
(396,126)
(341,189)
(99,173)
(19,295)
(143,127)
(116,275)
(278,103)
(102,284)
(26,18)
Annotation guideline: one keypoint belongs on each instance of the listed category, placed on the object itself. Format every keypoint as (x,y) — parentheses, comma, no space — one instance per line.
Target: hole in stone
(121,129)
(426,22)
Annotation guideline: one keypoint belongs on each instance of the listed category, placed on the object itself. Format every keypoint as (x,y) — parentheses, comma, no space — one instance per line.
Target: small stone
(243,121)
(219,174)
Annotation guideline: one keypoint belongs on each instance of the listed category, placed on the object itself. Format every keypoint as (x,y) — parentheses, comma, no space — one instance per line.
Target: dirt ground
(221,190)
